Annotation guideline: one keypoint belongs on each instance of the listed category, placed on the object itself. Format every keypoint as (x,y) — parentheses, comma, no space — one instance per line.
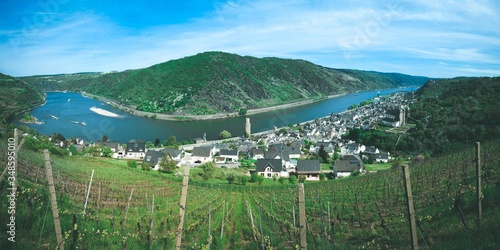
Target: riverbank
(133,111)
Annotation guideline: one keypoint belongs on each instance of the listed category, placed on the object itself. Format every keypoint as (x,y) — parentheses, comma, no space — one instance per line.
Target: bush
(292,179)
(322,176)
(302,178)
(146,166)
(132,164)
(224,134)
(230,178)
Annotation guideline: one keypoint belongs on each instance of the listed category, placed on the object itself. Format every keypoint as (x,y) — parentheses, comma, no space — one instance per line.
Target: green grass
(378,166)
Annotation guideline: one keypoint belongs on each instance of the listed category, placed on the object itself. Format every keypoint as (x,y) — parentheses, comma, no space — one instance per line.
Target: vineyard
(134,209)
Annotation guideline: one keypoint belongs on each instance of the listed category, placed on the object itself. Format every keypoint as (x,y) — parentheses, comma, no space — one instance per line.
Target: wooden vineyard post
(53,199)
(478,183)
(88,192)
(302,217)
(411,209)
(182,207)
(128,205)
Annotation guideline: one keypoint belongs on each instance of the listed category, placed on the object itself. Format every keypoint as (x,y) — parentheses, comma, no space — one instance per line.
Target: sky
(434,38)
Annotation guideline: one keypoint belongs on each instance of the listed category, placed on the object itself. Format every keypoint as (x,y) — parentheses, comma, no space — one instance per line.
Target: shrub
(292,179)
(132,164)
(146,166)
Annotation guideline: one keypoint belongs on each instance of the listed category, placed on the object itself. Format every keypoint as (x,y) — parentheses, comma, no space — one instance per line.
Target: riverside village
(301,150)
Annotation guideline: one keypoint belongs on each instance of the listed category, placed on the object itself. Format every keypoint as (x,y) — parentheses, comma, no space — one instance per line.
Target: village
(282,152)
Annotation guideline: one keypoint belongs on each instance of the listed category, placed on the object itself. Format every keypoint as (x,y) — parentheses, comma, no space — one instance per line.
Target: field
(135,209)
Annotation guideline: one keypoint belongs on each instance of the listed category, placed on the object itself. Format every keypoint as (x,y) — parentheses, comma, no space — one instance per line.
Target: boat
(69,99)
(83,123)
(54,117)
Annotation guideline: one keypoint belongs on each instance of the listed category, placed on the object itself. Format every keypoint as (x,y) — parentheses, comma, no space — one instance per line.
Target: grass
(378,166)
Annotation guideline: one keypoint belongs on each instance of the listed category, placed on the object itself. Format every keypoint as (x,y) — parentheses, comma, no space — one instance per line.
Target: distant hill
(213,82)
(16,96)
(449,114)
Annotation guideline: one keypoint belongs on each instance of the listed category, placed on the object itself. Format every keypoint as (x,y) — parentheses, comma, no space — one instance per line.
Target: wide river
(65,112)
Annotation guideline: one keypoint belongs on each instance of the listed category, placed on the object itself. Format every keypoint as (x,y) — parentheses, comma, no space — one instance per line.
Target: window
(148,158)
(269,175)
(159,159)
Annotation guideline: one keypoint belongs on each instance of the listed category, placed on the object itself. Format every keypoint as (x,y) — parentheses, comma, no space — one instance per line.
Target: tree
(107,152)
(146,166)
(242,111)
(167,165)
(157,142)
(230,178)
(72,148)
(323,155)
(104,138)
(149,144)
(171,141)
(224,134)
(132,164)
(208,170)
(254,177)
(282,180)
(322,176)
(302,178)
(242,179)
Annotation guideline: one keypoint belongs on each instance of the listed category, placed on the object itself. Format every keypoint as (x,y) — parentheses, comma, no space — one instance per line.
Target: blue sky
(435,38)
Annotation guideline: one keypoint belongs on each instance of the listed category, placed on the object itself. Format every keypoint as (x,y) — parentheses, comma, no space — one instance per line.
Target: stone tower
(248,127)
(402,115)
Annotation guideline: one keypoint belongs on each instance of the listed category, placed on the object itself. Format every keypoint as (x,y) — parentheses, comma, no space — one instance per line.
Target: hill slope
(213,82)
(16,96)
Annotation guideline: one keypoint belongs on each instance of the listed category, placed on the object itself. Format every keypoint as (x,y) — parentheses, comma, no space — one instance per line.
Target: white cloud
(334,34)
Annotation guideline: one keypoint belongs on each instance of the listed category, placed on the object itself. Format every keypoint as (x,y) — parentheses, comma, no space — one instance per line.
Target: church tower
(248,127)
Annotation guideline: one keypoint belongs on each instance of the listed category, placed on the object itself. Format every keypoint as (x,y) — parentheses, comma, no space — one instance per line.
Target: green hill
(16,96)
(214,82)
(448,114)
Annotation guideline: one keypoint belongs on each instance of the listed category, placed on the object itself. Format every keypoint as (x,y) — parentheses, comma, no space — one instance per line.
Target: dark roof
(370,150)
(202,151)
(271,154)
(298,143)
(228,152)
(345,166)
(325,144)
(308,166)
(352,158)
(257,151)
(172,152)
(110,144)
(381,155)
(136,147)
(275,164)
(293,150)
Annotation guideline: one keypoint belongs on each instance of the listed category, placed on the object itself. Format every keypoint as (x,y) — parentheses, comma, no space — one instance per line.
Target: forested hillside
(448,114)
(16,96)
(214,82)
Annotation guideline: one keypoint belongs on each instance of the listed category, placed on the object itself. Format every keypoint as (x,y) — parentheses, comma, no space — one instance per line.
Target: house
(113,145)
(382,157)
(345,167)
(309,168)
(229,155)
(135,150)
(371,150)
(256,154)
(293,151)
(201,154)
(270,167)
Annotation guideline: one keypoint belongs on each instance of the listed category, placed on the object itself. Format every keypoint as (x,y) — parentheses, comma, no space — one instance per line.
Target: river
(66,113)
